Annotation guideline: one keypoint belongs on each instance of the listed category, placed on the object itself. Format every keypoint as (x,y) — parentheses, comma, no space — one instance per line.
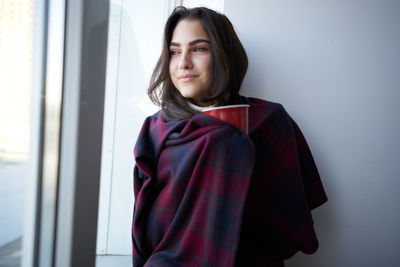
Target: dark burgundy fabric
(207,194)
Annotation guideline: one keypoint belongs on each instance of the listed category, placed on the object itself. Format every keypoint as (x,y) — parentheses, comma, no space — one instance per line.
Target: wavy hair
(228,65)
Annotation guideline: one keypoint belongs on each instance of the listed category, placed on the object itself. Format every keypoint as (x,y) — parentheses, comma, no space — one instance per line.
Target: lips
(187,77)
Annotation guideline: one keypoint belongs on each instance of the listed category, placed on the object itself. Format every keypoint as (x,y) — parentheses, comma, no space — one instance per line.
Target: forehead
(188,30)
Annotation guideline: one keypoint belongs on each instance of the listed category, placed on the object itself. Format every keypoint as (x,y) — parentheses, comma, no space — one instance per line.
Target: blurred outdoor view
(16,38)
(15,76)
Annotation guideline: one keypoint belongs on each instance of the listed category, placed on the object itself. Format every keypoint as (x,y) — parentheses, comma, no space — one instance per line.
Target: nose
(185,61)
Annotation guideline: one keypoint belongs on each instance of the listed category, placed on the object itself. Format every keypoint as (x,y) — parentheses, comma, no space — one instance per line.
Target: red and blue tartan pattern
(209,195)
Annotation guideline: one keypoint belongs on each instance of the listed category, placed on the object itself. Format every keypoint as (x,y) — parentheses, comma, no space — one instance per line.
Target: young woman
(206,193)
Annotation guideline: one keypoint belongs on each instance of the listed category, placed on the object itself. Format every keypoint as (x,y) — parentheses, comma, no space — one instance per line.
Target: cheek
(207,64)
(207,67)
(208,72)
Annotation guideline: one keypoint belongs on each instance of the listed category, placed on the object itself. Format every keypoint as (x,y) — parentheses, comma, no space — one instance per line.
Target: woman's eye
(173,52)
(200,49)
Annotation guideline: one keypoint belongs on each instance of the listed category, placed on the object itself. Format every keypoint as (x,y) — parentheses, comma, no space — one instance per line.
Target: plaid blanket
(207,194)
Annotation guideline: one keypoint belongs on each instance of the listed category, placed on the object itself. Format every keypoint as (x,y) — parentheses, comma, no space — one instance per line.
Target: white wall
(335,66)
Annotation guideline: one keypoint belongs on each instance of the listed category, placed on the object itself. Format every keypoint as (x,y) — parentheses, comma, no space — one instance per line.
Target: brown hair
(228,67)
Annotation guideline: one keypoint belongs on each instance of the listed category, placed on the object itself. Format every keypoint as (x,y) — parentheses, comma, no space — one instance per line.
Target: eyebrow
(191,43)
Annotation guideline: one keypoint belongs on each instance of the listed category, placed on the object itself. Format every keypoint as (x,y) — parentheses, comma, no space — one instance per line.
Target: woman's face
(190,62)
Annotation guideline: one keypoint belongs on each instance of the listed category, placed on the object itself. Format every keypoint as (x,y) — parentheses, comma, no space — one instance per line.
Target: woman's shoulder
(154,116)
(262,106)
(255,101)
(152,119)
